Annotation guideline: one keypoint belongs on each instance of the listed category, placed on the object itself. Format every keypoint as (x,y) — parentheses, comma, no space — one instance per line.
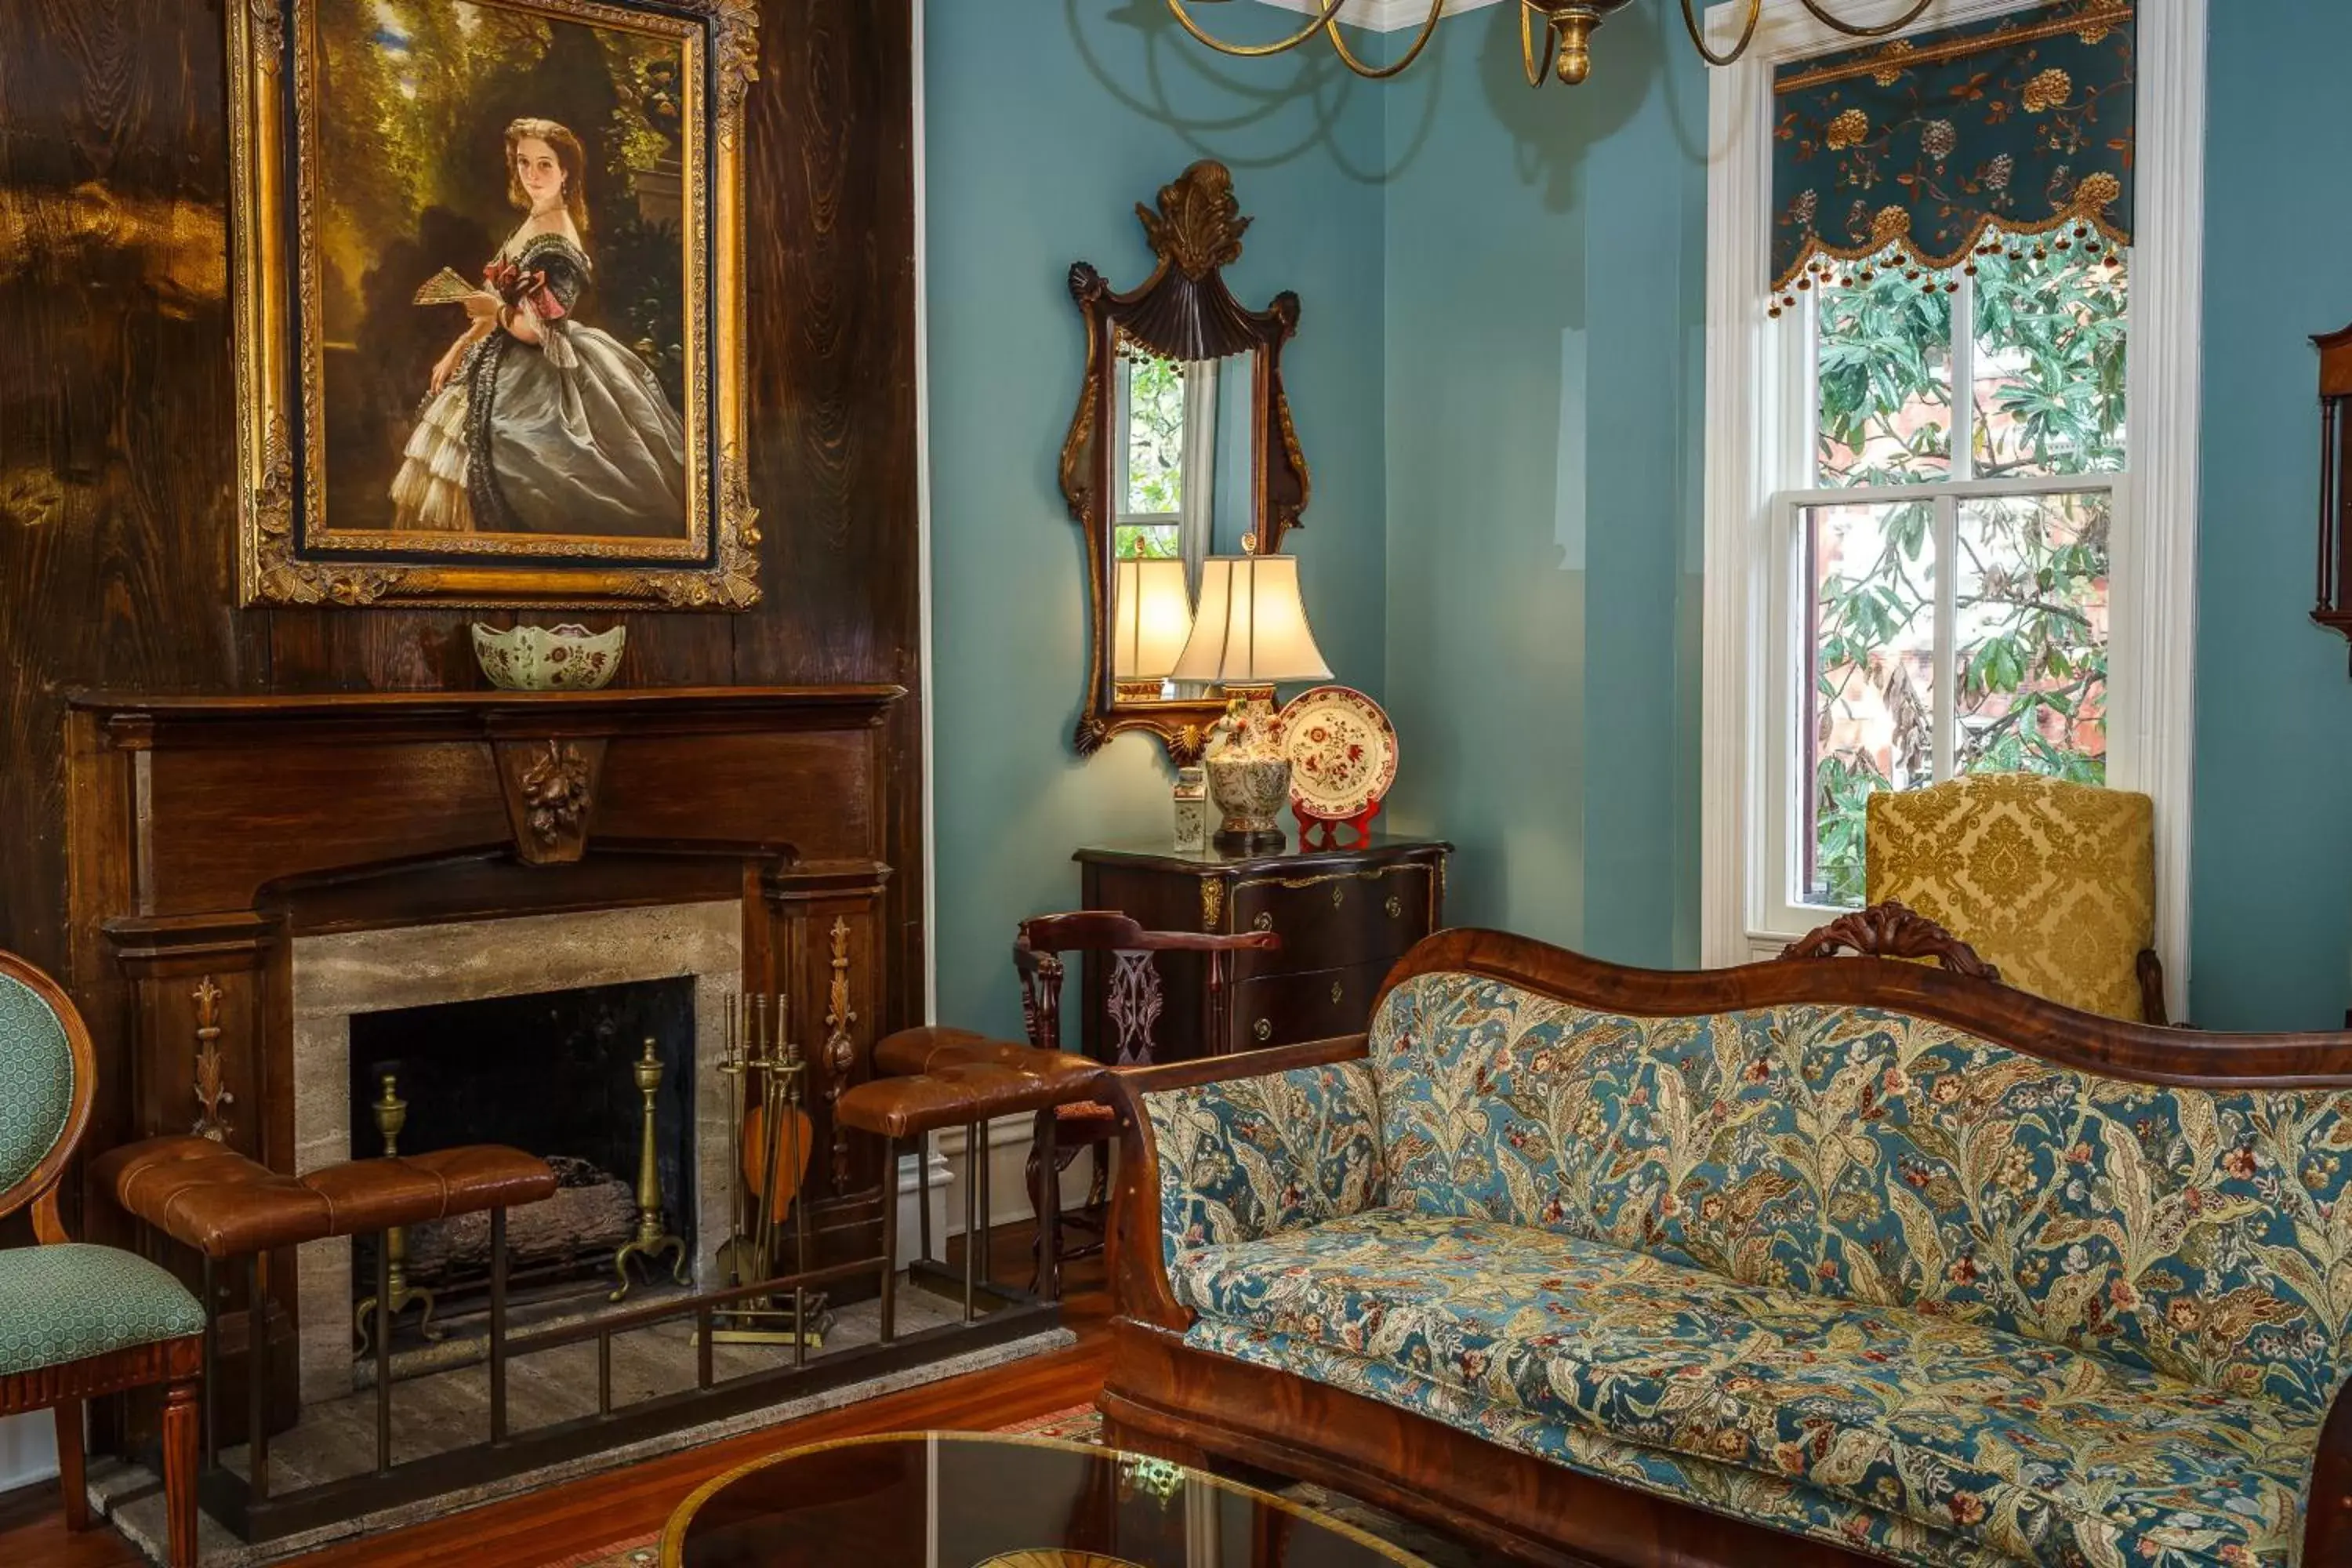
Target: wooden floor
(604,1510)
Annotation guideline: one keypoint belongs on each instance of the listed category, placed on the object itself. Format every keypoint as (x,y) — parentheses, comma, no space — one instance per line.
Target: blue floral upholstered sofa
(1815,1261)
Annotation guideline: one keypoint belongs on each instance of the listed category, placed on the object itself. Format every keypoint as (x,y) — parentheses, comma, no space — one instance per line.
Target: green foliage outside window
(1155,435)
(2030,572)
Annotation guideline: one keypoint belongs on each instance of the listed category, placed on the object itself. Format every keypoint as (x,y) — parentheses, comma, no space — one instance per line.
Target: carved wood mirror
(1181,448)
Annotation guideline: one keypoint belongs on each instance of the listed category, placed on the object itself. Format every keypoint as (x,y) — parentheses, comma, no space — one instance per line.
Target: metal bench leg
(499,1326)
(923,1193)
(987,1205)
(256,1377)
(383,1353)
(1048,1198)
(889,1244)
(212,1367)
(973,1153)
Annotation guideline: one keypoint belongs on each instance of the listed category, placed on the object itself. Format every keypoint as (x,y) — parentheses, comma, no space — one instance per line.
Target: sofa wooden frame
(67,1386)
(1166,1397)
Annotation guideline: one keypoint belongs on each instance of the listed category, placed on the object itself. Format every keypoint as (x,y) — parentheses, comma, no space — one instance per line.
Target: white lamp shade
(1151,617)
(1250,624)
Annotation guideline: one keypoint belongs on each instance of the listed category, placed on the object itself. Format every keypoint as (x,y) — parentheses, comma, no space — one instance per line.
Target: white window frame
(1122,413)
(1760,417)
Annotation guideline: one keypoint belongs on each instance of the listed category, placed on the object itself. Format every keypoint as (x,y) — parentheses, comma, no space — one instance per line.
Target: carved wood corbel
(551,792)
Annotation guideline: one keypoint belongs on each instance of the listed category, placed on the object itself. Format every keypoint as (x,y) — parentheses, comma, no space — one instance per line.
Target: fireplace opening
(555,1074)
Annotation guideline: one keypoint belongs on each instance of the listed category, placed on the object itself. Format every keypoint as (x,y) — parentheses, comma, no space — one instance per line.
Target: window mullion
(1964,379)
(1946,716)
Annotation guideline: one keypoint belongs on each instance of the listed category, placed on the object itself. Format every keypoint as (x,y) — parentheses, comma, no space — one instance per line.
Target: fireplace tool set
(769,1132)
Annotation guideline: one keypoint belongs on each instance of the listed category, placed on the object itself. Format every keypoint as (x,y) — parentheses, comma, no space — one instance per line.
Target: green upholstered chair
(77,1321)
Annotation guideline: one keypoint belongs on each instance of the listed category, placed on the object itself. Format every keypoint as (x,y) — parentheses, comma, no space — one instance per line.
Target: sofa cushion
(2029,1448)
(72,1301)
(1775,1501)
(1886,1159)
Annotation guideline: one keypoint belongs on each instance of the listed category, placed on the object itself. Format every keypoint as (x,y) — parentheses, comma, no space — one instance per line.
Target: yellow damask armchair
(2053,882)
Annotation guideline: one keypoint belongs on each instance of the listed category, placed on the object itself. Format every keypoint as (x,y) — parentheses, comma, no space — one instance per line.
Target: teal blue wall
(1044,124)
(1498,384)
(1546,290)
(2271,922)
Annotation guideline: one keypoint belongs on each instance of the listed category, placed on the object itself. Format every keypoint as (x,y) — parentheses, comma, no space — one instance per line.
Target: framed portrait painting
(489,301)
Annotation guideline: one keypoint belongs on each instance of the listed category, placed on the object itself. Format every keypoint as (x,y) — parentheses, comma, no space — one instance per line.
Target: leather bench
(952,1077)
(212,1199)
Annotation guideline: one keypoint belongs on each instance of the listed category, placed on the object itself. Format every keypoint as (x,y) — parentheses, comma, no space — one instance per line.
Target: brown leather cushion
(221,1202)
(958,1096)
(212,1197)
(932,1049)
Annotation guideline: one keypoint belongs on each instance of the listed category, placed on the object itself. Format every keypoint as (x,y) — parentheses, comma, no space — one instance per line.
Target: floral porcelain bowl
(549,658)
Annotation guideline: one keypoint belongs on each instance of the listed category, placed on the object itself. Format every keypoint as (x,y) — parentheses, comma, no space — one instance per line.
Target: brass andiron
(391,1115)
(651,1240)
(768,1155)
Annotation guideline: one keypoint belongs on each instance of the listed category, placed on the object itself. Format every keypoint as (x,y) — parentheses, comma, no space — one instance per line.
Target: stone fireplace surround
(339,975)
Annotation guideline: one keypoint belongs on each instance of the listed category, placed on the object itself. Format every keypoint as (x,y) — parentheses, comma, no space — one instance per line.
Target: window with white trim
(1945,531)
(1946,564)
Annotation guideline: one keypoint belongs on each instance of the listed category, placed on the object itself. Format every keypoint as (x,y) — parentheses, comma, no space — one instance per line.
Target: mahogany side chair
(77,1321)
(1133,1001)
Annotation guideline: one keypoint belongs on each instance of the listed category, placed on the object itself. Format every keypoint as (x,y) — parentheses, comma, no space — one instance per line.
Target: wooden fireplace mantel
(206,833)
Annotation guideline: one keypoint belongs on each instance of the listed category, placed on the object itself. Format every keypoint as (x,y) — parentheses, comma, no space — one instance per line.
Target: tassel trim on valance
(2083,228)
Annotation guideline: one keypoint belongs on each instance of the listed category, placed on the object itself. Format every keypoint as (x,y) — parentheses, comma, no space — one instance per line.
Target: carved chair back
(47,1076)
(1135,995)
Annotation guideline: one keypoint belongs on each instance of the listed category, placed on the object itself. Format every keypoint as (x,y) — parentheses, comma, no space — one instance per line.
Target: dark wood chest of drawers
(1344,916)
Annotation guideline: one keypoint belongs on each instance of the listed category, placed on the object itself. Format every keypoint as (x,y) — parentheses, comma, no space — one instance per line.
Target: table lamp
(1151,617)
(1249,630)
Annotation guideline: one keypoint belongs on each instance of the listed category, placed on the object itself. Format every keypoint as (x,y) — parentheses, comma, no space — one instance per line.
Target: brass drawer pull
(1335,994)
(1264,921)
(1396,907)
(1339,894)
(1265,1029)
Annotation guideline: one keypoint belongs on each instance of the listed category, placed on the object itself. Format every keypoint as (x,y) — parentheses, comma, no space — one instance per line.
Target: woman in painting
(535,423)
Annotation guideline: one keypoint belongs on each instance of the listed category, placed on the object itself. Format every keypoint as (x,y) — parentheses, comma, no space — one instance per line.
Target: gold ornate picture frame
(429,414)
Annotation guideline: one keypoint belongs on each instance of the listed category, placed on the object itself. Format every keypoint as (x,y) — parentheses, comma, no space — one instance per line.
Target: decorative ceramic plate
(1342,751)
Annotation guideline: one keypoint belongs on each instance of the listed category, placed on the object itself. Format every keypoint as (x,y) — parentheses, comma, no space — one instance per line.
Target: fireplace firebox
(555,1073)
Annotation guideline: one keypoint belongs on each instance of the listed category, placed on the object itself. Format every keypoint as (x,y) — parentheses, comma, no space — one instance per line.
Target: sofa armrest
(1231,1149)
(2327,1508)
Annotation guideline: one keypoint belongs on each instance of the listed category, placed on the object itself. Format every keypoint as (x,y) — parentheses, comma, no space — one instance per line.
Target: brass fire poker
(653,1239)
(391,1114)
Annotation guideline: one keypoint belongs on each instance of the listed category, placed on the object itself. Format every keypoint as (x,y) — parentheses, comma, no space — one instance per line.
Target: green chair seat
(71,1300)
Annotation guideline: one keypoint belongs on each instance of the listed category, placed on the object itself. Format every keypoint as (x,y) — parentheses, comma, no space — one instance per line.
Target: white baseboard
(28,1449)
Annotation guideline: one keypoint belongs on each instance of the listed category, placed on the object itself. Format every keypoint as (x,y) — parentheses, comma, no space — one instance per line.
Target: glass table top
(991,1500)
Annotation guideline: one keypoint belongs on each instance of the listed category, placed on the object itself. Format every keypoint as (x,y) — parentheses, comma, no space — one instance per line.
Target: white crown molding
(1378,15)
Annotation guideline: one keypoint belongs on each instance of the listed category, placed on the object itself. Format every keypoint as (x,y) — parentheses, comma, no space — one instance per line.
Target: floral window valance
(1928,151)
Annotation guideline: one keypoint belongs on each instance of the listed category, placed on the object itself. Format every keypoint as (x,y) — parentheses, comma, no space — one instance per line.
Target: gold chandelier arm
(1852,30)
(1747,36)
(1254,51)
(1380,73)
(1538,71)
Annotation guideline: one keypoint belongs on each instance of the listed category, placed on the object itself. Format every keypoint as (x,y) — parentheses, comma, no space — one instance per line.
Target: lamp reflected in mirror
(1151,618)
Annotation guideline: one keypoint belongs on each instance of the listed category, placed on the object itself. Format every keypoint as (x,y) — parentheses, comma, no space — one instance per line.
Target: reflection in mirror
(1182,493)
(1180,449)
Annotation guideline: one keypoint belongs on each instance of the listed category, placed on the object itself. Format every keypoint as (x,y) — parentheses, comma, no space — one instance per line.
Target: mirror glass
(1183,483)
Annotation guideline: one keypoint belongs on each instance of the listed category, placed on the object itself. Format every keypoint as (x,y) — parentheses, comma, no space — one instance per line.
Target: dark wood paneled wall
(116,447)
